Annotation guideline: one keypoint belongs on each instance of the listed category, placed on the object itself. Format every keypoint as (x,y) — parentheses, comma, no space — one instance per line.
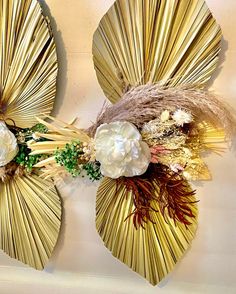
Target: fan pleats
(149,41)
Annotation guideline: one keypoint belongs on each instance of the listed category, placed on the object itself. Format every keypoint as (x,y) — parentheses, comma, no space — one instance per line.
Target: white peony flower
(121,151)
(182,117)
(8,145)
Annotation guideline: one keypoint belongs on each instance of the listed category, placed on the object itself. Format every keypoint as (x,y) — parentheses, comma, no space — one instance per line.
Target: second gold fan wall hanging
(153,59)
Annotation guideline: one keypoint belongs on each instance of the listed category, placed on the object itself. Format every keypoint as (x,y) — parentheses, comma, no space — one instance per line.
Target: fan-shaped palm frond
(30,218)
(30,209)
(141,41)
(28,61)
(152,252)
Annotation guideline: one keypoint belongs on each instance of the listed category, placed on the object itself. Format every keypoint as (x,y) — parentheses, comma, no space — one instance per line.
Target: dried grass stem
(144,103)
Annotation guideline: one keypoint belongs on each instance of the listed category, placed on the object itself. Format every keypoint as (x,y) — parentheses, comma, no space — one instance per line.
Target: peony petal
(130,132)
(112,171)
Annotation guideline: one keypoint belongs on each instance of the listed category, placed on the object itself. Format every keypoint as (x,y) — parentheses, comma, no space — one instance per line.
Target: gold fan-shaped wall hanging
(138,43)
(30,208)
(153,59)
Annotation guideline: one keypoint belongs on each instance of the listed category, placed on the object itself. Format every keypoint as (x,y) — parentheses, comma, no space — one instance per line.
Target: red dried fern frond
(142,193)
(159,183)
(175,194)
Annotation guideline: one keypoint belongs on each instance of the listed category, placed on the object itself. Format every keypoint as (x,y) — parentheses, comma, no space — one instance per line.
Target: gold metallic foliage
(142,41)
(30,219)
(153,251)
(28,62)
(30,208)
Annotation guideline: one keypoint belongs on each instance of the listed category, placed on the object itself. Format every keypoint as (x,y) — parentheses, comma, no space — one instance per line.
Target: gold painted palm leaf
(151,252)
(30,218)
(30,209)
(141,41)
(28,62)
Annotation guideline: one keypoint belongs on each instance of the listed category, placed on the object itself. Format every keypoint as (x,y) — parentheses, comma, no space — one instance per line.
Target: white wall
(81,264)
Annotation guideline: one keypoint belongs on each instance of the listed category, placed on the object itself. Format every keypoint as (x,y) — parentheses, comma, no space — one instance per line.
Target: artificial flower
(121,151)
(35,136)
(157,151)
(175,167)
(165,116)
(182,117)
(8,145)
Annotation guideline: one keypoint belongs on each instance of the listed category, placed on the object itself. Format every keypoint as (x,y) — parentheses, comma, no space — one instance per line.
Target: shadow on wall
(222,57)
(62,59)
(60,96)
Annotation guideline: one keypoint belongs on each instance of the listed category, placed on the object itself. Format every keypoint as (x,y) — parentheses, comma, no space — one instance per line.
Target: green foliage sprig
(69,157)
(23,157)
(73,158)
(25,160)
(93,170)
(40,128)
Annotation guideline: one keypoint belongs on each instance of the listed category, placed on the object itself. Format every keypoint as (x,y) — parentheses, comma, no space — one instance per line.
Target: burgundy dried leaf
(159,183)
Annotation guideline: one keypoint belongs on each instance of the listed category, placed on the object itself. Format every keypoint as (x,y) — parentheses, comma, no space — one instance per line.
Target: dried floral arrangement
(153,59)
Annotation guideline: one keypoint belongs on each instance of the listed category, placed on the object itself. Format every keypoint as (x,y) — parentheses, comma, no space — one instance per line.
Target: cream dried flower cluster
(122,151)
(176,142)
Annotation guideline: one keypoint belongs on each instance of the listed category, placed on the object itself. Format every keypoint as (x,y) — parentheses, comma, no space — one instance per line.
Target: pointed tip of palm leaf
(30,214)
(151,252)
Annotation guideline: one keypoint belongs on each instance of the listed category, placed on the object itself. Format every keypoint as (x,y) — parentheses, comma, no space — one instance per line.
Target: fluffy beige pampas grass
(144,103)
